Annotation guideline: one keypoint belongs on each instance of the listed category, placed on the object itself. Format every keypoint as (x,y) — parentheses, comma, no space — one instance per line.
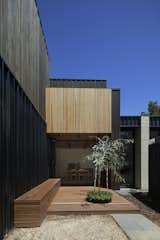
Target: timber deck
(30,208)
(72,200)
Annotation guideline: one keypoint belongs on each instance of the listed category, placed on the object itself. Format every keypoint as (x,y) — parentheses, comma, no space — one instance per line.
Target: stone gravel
(92,227)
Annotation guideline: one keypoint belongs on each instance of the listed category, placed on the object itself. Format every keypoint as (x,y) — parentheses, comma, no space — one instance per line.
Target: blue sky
(117,40)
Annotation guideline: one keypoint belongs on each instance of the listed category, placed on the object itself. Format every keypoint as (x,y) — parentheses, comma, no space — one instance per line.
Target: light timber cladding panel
(23,48)
(78,110)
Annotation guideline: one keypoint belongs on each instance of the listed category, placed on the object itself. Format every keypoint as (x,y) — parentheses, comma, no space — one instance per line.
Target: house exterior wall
(77,83)
(137,142)
(115,113)
(147,131)
(142,136)
(154,170)
(115,127)
(23,48)
(145,152)
(25,149)
(79,110)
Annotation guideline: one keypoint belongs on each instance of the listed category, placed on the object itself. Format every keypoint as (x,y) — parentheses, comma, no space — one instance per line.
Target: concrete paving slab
(137,227)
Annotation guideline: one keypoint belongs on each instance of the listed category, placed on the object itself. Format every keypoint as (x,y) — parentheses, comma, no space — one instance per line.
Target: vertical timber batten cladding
(78,110)
(23,48)
(25,150)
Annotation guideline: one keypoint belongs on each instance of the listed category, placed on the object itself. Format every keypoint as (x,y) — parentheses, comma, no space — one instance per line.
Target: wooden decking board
(36,194)
(30,208)
(72,200)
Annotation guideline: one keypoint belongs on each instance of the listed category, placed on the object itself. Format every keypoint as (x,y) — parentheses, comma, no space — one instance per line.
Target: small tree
(107,155)
(153,108)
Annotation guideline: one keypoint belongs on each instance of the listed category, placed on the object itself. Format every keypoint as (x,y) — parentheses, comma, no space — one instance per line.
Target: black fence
(154,171)
(130,121)
(155,122)
(24,147)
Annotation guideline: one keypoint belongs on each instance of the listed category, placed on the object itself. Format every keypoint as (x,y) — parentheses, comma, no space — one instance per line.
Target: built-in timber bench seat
(30,208)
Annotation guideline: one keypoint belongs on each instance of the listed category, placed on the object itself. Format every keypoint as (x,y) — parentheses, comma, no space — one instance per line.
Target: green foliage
(153,108)
(107,155)
(99,197)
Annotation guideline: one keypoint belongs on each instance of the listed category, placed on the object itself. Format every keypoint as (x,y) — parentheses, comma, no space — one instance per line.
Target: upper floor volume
(79,107)
(23,48)
(78,83)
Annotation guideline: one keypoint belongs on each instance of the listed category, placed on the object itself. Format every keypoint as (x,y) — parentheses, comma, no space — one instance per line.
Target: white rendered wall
(145,136)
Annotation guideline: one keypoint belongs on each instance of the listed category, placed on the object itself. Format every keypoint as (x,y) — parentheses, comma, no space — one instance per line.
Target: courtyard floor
(72,200)
(92,227)
(70,217)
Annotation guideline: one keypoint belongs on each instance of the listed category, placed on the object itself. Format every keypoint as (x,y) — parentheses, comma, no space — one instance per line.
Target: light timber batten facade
(79,110)
(23,48)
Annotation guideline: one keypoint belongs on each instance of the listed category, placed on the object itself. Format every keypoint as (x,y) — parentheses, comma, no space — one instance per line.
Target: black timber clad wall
(154,171)
(73,83)
(115,133)
(24,146)
(115,113)
(23,48)
(115,126)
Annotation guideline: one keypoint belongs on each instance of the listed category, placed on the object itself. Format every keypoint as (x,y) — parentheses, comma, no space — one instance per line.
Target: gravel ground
(92,227)
(145,210)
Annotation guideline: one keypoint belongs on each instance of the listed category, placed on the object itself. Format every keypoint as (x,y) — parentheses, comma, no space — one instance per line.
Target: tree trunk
(95,178)
(107,175)
(99,177)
